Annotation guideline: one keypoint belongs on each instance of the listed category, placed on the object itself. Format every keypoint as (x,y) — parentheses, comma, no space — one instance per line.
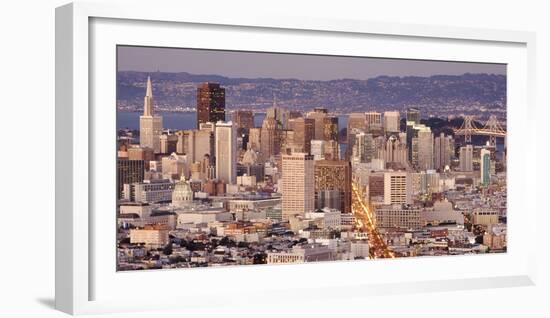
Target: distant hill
(440,94)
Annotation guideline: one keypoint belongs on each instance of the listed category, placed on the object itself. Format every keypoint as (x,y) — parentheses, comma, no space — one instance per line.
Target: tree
(183,243)
(167,250)
(242,245)
(260,258)
(479,239)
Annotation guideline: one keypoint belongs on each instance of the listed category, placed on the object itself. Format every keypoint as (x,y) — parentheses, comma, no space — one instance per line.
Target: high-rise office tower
(410,134)
(195,144)
(423,144)
(304,130)
(318,115)
(207,170)
(391,121)
(281,115)
(374,121)
(443,149)
(139,153)
(394,151)
(150,126)
(168,143)
(318,149)
(226,152)
(326,127)
(334,175)
(330,128)
(332,150)
(363,149)
(413,115)
(269,138)
(298,184)
(286,142)
(254,139)
(243,120)
(210,103)
(466,158)
(357,121)
(129,171)
(397,188)
(485,167)
(174,165)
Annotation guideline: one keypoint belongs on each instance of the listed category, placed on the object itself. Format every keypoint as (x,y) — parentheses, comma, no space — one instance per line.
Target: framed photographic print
(272,155)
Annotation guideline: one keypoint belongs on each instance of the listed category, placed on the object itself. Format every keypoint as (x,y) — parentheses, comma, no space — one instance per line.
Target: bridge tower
(467,128)
(493,126)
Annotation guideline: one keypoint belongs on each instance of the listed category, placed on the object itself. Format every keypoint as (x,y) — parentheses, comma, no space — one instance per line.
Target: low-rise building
(204,215)
(153,236)
(151,191)
(398,216)
(139,208)
(330,218)
(301,254)
(485,216)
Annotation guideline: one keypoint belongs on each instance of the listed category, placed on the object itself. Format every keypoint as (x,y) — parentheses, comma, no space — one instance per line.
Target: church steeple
(148,99)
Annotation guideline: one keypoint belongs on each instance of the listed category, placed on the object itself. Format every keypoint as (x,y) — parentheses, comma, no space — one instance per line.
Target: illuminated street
(364,222)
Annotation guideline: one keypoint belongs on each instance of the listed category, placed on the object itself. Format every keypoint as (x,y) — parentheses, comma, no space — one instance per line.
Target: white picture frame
(82,66)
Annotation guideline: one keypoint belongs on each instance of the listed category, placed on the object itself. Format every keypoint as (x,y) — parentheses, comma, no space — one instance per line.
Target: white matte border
(368,276)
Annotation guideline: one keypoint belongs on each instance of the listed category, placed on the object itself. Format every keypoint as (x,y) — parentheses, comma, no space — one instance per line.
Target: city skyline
(300,185)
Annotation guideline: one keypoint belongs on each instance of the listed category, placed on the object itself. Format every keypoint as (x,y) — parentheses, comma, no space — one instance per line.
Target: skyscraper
(318,149)
(281,115)
(374,121)
(304,130)
(334,175)
(286,142)
(269,138)
(129,171)
(443,147)
(318,115)
(357,121)
(150,126)
(243,120)
(210,103)
(410,134)
(363,149)
(465,157)
(485,167)
(413,115)
(394,152)
(330,128)
(423,144)
(254,139)
(332,150)
(298,184)
(397,188)
(195,144)
(391,121)
(226,152)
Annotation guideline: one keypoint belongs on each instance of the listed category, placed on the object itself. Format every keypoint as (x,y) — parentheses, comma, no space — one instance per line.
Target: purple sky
(306,67)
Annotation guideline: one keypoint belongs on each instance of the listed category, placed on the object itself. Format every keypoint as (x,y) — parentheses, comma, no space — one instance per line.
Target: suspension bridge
(492,128)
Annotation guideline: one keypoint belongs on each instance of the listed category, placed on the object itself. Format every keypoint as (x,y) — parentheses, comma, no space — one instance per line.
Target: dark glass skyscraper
(210,103)
(128,172)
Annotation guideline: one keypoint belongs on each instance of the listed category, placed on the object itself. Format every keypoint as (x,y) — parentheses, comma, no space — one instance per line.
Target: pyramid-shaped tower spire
(149,91)
(148,99)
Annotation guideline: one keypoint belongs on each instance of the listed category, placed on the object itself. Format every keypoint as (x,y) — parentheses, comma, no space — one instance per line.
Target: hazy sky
(306,67)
